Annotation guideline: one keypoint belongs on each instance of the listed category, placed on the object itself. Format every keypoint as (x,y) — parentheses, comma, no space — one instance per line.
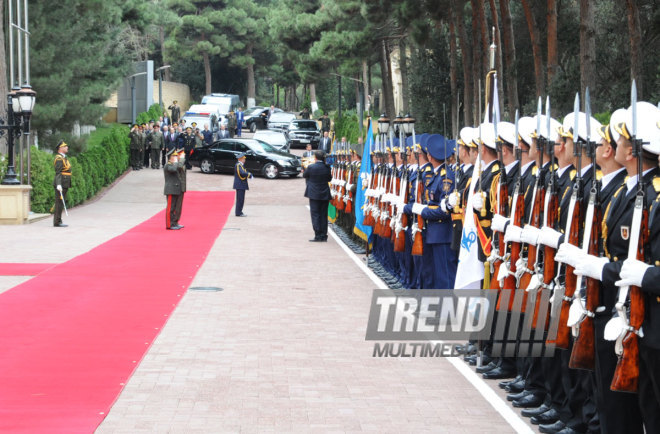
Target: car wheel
(207,166)
(253,127)
(271,171)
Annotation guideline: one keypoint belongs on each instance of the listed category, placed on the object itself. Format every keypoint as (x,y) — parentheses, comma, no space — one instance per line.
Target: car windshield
(255,112)
(259,146)
(306,125)
(276,139)
(282,117)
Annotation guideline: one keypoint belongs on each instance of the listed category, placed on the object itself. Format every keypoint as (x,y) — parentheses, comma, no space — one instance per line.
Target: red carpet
(20,269)
(73,335)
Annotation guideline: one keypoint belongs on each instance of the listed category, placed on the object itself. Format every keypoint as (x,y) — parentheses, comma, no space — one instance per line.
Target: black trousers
(649,387)
(240,200)
(173,210)
(319,212)
(59,206)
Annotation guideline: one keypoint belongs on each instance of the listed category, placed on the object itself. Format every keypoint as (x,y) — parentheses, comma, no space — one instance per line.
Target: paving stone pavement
(281,347)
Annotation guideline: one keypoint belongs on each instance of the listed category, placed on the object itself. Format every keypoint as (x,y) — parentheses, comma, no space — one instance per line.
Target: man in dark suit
(325,144)
(223,133)
(241,176)
(318,176)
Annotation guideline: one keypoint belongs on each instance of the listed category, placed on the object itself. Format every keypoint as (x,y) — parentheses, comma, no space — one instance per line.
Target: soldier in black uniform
(176,111)
(62,182)
(241,176)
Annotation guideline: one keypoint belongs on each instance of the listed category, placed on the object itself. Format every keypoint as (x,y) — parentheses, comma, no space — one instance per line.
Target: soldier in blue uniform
(241,176)
(438,218)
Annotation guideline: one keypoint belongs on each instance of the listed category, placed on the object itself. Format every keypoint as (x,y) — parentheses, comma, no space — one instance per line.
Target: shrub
(105,159)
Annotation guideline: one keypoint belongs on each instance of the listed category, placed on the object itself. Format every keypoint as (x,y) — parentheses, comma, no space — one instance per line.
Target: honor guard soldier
(241,176)
(467,155)
(62,182)
(174,189)
(437,216)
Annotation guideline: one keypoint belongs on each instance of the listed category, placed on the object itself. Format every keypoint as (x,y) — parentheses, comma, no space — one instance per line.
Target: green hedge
(105,159)
(153,113)
(348,126)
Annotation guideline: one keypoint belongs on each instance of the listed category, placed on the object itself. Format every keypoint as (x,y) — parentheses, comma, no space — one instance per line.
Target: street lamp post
(20,103)
(160,84)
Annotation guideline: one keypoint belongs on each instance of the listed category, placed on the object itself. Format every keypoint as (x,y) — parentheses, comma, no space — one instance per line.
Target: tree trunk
(207,72)
(479,26)
(587,48)
(403,65)
(636,51)
(466,55)
(553,57)
(536,49)
(365,82)
(312,97)
(277,91)
(386,80)
(498,57)
(452,73)
(509,57)
(251,88)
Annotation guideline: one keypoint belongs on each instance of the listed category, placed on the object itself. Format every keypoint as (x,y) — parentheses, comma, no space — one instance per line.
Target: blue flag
(360,229)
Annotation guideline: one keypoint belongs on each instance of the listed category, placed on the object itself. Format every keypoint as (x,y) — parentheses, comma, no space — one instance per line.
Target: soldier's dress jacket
(616,231)
(173,182)
(438,222)
(650,284)
(62,171)
(241,176)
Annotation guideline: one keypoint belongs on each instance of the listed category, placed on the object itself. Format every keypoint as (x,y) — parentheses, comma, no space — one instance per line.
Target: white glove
(549,237)
(499,222)
(453,200)
(590,266)
(632,273)
(349,186)
(182,157)
(530,234)
(512,234)
(251,176)
(417,208)
(443,205)
(568,254)
(59,188)
(477,201)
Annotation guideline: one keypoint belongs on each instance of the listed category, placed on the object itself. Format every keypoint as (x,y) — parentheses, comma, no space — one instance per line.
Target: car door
(224,155)
(252,159)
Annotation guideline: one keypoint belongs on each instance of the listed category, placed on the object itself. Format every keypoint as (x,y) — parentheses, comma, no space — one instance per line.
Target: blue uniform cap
(241,155)
(423,140)
(436,147)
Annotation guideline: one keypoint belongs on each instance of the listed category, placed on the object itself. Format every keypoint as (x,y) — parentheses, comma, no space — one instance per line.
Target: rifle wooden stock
(583,355)
(548,256)
(626,374)
(418,244)
(368,217)
(532,250)
(400,239)
(563,331)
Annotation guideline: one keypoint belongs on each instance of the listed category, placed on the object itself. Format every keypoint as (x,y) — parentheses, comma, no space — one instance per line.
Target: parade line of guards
(537,194)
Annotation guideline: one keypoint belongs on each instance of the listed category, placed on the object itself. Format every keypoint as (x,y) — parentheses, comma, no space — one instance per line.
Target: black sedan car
(303,131)
(261,158)
(256,118)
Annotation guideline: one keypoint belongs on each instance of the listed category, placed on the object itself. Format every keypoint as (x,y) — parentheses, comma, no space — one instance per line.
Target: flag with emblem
(470,269)
(360,229)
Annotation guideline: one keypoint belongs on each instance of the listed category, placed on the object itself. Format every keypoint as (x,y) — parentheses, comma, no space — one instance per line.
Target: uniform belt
(66,173)
(457,216)
(484,223)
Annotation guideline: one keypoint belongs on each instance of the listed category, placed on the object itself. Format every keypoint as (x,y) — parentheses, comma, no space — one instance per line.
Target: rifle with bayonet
(583,354)
(532,268)
(517,215)
(401,220)
(626,374)
(551,210)
(501,209)
(418,221)
(573,223)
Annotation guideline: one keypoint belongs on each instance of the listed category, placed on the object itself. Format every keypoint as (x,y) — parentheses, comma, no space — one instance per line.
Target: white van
(227,102)
(203,114)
